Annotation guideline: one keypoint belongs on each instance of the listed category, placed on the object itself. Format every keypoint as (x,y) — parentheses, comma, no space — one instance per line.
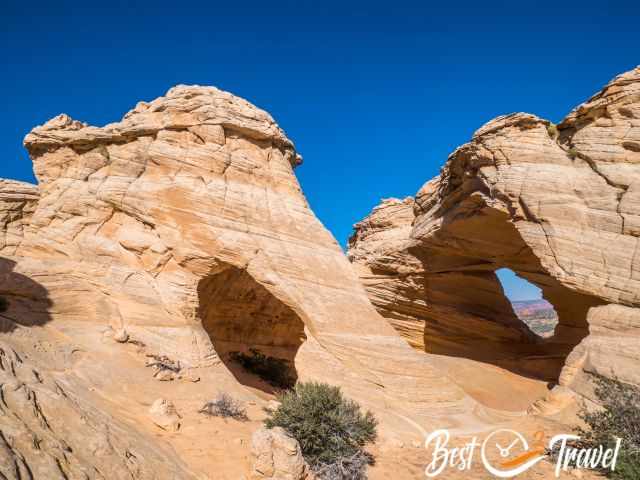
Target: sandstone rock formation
(277,456)
(181,233)
(184,226)
(558,206)
(406,292)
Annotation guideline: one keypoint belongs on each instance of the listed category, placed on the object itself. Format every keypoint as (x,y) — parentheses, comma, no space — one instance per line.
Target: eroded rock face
(46,432)
(429,308)
(557,206)
(184,225)
(17,202)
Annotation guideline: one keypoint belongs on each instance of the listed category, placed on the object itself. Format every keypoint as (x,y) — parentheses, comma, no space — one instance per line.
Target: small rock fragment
(121,336)
(164,414)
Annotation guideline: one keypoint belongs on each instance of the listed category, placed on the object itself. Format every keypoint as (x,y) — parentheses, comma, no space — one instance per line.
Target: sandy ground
(115,377)
(410,461)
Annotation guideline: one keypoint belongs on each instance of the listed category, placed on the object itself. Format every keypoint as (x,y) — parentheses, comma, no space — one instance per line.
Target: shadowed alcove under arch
(469,314)
(242,316)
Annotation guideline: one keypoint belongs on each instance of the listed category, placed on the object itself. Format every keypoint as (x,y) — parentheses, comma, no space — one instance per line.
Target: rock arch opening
(255,334)
(527,303)
(470,315)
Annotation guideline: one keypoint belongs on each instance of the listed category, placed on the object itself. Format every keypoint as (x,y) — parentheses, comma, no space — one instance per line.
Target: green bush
(275,371)
(619,418)
(572,153)
(4,304)
(332,430)
(552,130)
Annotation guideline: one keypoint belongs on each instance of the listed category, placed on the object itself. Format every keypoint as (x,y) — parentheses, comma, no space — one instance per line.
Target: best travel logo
(508,458)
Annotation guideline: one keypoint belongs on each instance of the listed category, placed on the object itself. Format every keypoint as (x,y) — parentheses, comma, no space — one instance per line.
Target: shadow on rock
(23,302)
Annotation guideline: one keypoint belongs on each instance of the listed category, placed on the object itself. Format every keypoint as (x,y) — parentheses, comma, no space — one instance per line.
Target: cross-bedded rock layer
(184,225)
(560,206)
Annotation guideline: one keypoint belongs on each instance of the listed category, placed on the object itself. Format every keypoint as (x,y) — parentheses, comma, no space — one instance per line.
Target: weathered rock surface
(557,206)
(430,309)
(17,202)
(277,456)
(184,226)
(47,432)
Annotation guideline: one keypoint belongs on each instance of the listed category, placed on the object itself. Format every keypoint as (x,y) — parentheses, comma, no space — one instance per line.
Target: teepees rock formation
(560,206)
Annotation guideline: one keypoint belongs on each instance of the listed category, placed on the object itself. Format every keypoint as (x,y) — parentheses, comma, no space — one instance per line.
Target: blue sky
(374,94)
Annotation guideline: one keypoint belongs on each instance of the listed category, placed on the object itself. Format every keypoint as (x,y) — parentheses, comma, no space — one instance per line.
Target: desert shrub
(275,371)
(332,430)
(225,406)
(618,417)
(552,130)
(4,304)
(345,468)
(572,153)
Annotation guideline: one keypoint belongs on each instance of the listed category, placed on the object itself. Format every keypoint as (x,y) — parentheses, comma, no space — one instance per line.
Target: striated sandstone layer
(17,202)
(183,228)
(560,206)
(461,313)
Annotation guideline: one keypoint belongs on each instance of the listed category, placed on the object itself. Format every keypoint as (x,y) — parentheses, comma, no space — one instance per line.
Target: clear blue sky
(374,94)
(516,288)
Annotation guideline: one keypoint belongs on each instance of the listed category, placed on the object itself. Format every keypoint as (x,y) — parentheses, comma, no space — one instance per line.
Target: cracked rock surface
(47,432)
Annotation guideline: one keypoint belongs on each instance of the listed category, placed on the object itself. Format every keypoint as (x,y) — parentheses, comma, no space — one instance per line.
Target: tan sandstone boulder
(277,456)
(165,415)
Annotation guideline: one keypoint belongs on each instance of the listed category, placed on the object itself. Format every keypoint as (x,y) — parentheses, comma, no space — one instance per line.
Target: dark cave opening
(255,334)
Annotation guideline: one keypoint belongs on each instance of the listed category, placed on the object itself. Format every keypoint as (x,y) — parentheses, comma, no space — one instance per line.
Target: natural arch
(242,317)
(527,302)
(469,314)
